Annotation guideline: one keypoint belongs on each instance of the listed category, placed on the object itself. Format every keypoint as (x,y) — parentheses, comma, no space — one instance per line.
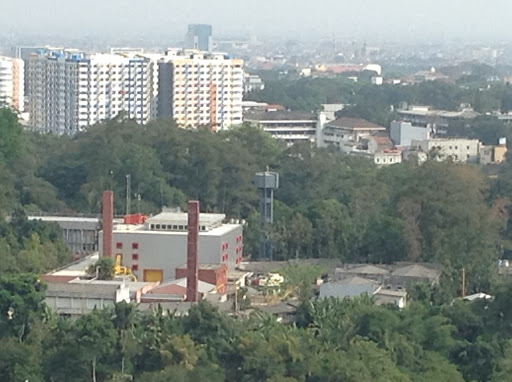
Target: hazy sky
(368,19)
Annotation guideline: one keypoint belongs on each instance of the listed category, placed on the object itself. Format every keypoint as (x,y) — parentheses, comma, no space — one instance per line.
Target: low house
(388,296)
(351,135)
(175,290)
(405,276)
(284,311)
(352,286)
(367,271)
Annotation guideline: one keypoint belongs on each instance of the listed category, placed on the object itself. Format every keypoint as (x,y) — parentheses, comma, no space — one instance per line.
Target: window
(180,228)
(119,245)
(467,147)
(456,147)
(135,245)
(135,256)
(135,267)
(158,226)
(174,227)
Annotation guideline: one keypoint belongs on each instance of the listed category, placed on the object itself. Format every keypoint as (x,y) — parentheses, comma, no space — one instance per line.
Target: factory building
(79,233)
(153,250)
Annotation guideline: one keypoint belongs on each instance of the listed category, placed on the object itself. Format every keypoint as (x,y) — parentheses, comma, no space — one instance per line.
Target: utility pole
(128,193)
(463,282)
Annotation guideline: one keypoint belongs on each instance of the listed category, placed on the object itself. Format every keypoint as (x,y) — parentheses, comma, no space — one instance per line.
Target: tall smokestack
(192,250)
(108,216)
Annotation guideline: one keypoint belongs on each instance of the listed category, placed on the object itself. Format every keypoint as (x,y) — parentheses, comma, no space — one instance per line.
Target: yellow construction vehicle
(119,270)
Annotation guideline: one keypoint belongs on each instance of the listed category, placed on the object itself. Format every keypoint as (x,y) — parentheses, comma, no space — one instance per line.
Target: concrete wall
(402,133)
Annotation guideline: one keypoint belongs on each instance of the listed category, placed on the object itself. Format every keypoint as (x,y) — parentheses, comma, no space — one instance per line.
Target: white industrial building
(71,90)
(12,82)
(201,89)
(155,249)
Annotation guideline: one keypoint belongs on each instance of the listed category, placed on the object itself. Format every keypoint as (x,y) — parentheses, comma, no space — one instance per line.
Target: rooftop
(355,124)
(417,270)
(170,287)
(78,268)
(465,114)
(355,280)
(364,269)
(181,218)
(391,293)
(263,116)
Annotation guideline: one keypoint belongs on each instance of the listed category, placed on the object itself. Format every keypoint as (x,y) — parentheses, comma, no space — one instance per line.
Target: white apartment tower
(71,90)
(12,83)
(201,89)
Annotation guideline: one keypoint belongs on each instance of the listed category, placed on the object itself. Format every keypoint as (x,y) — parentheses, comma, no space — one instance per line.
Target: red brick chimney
(192,251)
(108,217)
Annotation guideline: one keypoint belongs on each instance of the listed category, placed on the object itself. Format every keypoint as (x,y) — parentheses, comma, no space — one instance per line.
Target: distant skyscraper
(199,36)
(201,89)
(72,90)
(11,82)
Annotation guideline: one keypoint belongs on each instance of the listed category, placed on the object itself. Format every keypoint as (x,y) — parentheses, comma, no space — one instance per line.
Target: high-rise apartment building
(12,83)
(198,89)
(199,36)
(71,90)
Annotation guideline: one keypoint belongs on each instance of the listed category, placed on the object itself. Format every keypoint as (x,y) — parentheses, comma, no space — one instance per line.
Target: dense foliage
(350,340)
(329,205)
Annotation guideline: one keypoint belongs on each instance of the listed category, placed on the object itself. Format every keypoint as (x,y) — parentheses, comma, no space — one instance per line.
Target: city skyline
(395,20)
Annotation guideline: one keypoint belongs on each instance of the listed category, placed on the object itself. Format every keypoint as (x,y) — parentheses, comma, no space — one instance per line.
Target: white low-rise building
(349,135)
(457,149)
(387,157)
(288,126)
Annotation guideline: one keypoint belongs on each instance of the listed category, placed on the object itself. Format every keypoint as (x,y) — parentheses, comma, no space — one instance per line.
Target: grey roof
(465,114)
(82,290)
(181,218)
(355,280)
(354,123)
(391,293)
(279,116)
(417,270)
(364,269)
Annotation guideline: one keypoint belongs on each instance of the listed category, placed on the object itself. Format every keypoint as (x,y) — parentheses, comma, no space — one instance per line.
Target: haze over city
(397,20)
